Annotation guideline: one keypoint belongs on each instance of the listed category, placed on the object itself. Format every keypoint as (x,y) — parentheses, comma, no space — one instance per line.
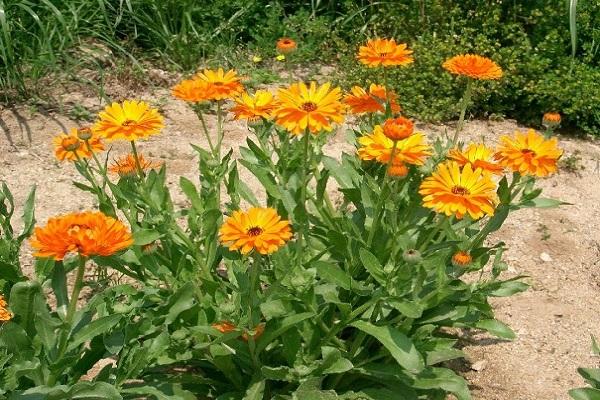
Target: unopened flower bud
(412,256)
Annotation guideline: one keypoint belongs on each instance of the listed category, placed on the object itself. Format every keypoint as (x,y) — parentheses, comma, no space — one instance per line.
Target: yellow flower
(452,191)
(384,52)
(478,156)
(130,120)
(71,147)
(253,107)
(378,147)
(304,107)
(529,153)
(256,59)
(86,233)
(126,165)
(360,101)
(5,315)
(280,57)
(222,85)
(473,66)
(260,229)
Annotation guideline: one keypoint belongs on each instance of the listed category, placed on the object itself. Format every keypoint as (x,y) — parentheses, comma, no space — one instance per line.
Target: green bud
(412,256)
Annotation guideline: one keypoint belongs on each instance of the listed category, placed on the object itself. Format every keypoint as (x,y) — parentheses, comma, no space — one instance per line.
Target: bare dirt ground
(558,249)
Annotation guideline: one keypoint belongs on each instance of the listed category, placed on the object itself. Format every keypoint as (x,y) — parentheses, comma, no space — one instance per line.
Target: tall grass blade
(573,26)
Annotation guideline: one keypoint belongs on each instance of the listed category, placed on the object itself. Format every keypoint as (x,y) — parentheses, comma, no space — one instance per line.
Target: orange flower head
(452,191)
(85,133)
(259,229)
(384,52)
(286,45)
(378,147)
(309,108)
(473,66)
(398,170)
(258,331)
(3,302)
(5,315)
(127,167)
(86,233)
(398,128)
(461,259)
(551,119)
(254,107)
(224,326)
(478,156)
(193,90)
(222,85)
(360,101)
(71,147)
(529,153)
(129,120)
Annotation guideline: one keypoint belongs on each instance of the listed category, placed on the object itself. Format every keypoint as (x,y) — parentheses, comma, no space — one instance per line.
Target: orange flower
(551,119)
(398,170)
(260,229)
(384,52)
(360,101)
(286,45)
(71,147)
(254,107)
(473,66)
(87,233)
(529,153)
(398,128)
(461,259)
(313,108)
(258,331)
(478,156)
(378,147)
(129,120)
(6,315)
(452,191)
(224,326)
(193,90)
(3,302)
(222,85)
(126,165)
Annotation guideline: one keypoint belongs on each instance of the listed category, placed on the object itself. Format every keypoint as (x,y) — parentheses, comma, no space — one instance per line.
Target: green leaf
(445,379)
(507,288)
(28,215)
(371,263)
(181,301)
(273,331)
(591,375)
(398,344)
(544,203)
(191,192)
(496,328)
(142,237)
(595,347)
(94,390)
(93,329)
(333,274)
(22,303)
(256,390)
(585,394)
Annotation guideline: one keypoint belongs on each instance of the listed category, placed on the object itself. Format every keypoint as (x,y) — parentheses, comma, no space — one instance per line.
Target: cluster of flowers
(464,184)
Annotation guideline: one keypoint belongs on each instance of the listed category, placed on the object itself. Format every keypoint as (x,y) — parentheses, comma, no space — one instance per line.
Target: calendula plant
(592,378)
(350,281)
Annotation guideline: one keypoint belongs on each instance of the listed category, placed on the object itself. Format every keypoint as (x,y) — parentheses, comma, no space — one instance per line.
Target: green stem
(381,201)
(463,109)
(388,106)
(137,160)
(71,308)
(204,128)
(219,129)
(303,186)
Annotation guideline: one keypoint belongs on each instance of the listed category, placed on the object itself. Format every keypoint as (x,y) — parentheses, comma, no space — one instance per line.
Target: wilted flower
(478,156)
(127,166)
(71,147)
(412,256)
(360,101)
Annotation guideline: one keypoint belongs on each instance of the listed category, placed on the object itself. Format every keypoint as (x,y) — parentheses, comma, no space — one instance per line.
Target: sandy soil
(558,249)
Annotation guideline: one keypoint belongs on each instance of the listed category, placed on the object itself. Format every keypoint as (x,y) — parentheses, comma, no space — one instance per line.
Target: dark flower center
(309,106)
(254,231)
(218,83)
(460,191)
(384,54)
(528,152)
(128,122)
